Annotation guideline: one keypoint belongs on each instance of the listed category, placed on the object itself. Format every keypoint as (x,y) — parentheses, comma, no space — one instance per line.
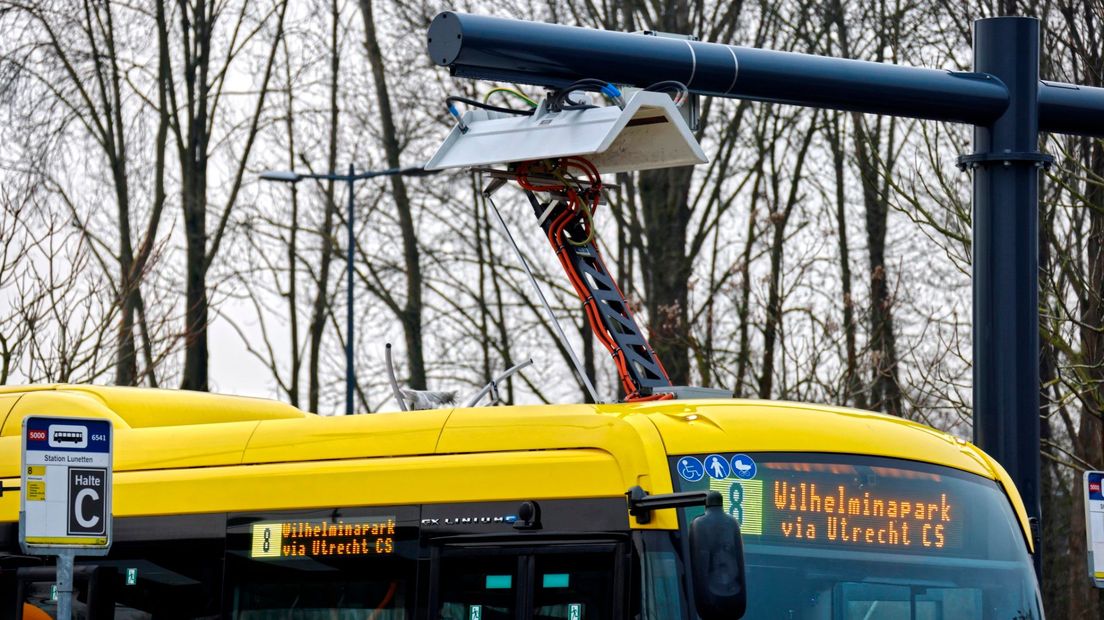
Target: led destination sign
(324,538)
(846,514)
(853,502)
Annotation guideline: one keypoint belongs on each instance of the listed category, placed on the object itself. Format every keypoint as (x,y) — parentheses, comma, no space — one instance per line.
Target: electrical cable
(486,106)
(559,101)
(681,91)
(454,99)
(578,208)
(510,91)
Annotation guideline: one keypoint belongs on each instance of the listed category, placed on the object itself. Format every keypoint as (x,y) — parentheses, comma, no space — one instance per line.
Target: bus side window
(541,581)
(573,587)
(480,588)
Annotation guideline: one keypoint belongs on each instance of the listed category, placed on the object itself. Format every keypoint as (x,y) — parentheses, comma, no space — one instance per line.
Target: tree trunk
(665,212)
(412,310)
(852,383)
(885,388)
(195,21)
(126,356)
(293,264)
(1085,601)
(322,295)
(195,291)
(780,218)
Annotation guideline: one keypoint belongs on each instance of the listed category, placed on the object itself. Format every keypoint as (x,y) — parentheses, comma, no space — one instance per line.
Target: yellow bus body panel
(343,437)
(497,476)
(184,452)
(691,427)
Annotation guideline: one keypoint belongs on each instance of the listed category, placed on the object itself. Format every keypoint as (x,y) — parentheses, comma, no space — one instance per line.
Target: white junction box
(648,133)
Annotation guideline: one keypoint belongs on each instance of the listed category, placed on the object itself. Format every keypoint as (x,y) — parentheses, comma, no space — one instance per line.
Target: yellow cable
(511,91)
(587,215)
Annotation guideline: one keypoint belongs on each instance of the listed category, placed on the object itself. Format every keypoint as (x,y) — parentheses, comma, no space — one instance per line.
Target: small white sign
(1094,525)
(66,472)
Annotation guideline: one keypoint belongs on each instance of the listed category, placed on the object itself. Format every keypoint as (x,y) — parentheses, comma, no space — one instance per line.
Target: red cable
(556,237)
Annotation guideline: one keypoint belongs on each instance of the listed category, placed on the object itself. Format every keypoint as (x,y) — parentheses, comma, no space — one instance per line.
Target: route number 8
(736,501)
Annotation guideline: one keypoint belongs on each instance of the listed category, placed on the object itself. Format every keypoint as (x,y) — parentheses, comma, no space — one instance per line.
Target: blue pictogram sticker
(691,469)
(717,466)
(743,466)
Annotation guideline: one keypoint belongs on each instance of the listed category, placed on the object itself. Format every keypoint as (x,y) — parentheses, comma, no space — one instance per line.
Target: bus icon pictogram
(68,436)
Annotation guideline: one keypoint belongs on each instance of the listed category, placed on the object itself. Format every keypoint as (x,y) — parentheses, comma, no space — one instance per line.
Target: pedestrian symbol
(743,466)
(475,612)
(574,611)
(717,466)
(690,468)
(131,576)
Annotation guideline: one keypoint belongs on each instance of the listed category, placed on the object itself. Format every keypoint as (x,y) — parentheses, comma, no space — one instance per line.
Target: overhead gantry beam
(552,55)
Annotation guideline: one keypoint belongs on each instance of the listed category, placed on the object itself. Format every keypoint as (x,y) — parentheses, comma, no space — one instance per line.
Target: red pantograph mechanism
(574,190)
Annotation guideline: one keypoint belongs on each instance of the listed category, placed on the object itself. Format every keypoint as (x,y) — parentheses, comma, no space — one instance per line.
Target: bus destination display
(846,514)
(835,504)
(324,538)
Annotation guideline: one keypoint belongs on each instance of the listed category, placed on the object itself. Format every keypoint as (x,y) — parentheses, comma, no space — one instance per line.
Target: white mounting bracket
(649,133)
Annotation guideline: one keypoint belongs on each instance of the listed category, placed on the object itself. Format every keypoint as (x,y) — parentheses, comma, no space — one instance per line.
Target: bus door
(529,580)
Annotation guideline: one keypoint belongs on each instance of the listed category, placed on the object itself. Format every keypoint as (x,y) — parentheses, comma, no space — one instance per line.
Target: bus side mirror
(717,563)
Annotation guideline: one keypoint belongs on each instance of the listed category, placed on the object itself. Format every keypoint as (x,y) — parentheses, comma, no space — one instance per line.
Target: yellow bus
(246,508)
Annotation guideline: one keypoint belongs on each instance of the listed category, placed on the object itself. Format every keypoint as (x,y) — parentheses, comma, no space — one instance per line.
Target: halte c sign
(67,484)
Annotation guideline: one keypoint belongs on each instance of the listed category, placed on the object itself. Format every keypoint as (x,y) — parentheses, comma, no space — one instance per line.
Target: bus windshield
(842,537)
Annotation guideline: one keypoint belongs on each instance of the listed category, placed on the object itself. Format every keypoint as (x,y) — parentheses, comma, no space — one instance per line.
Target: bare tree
(84,73)
(193,114)
(410,310)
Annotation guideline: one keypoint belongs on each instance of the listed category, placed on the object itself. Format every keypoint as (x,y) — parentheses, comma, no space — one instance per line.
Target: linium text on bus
(866,519)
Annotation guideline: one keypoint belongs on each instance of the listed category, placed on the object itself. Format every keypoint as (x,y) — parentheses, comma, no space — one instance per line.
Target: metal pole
(552,55)
(1006,165)
(65,584)
(508,50)
(349,370)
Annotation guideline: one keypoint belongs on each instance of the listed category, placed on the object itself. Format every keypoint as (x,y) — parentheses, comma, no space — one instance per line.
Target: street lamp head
(284,176)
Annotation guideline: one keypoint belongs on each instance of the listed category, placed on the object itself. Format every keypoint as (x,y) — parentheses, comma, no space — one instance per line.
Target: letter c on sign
(79,505)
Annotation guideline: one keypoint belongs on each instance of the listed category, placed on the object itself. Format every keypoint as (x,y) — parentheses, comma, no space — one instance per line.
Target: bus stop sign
(66,499)
(1094,525)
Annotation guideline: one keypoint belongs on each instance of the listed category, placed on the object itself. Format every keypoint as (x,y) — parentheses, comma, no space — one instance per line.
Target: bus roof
(599,449)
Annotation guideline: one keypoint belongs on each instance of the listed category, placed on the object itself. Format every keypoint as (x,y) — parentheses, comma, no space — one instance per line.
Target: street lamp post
(289,176)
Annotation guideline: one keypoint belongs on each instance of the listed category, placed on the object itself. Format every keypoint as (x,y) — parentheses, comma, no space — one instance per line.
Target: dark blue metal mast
(1003,98)
(1006,163)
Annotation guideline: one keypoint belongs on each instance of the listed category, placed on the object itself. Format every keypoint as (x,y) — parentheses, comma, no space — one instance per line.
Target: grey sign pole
(65,583)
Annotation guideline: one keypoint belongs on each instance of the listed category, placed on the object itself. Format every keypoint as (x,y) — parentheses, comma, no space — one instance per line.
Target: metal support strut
(1006,163)
(566,218)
